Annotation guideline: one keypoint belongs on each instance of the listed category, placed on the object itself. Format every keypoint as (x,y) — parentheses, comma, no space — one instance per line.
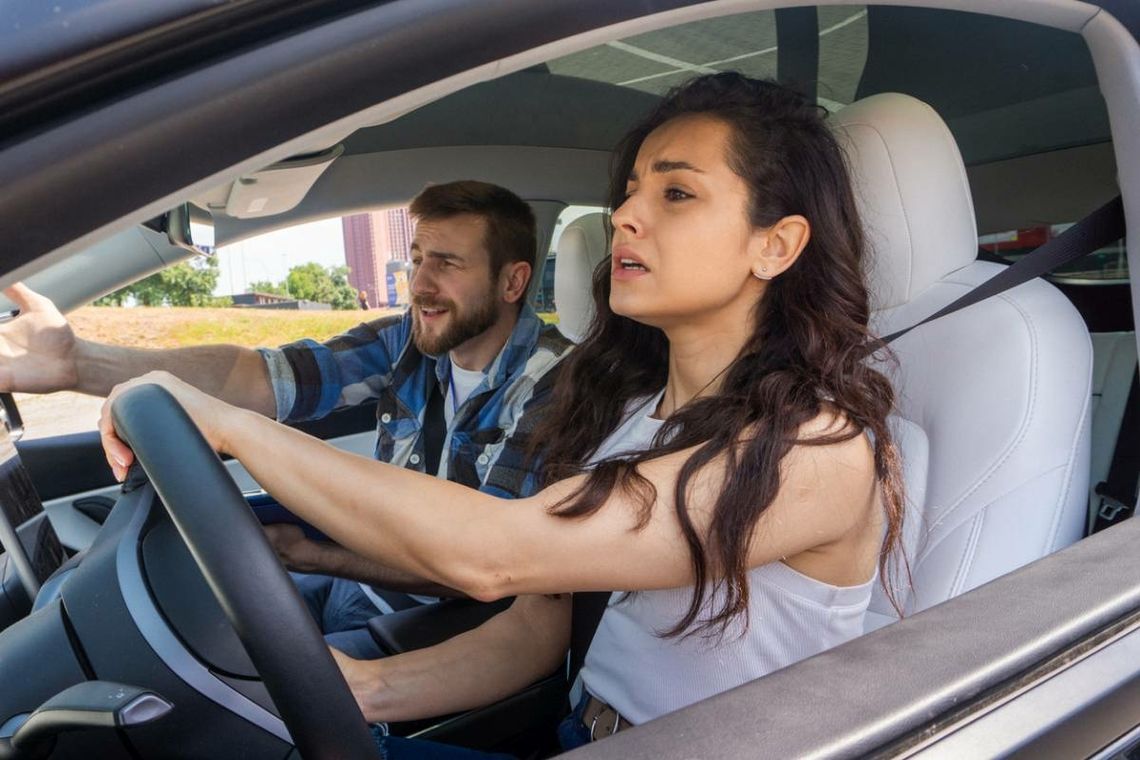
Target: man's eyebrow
(664,166)
(445,255)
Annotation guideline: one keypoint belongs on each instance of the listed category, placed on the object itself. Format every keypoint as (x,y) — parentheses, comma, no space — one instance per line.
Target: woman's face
(683,248)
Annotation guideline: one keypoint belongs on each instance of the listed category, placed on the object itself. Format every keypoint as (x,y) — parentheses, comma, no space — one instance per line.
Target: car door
(1040,660)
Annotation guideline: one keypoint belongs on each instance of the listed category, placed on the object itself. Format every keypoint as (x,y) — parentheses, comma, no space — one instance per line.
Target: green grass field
(173,327)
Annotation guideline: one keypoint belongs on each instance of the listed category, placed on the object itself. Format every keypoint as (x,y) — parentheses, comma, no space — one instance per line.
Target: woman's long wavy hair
(809,347)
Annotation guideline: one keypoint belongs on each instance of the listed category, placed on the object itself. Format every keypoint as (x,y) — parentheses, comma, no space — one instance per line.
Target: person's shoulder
(541,366)
(551,340)
(834,458)
(392,329)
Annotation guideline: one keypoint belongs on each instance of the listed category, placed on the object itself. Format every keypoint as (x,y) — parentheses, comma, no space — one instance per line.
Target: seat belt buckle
(1110,506)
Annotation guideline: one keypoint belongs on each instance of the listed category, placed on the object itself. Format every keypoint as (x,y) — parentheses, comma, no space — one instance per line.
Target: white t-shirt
(463,383)
(790,616)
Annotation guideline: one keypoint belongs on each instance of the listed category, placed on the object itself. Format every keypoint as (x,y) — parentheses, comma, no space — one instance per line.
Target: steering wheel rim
(232,553)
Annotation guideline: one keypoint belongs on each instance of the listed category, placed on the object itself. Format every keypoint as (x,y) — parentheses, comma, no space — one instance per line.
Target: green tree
(190,283)
(265,286)
(312,282)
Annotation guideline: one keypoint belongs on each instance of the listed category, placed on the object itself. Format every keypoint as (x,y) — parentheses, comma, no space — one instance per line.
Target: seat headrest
(912,192)
(581,248)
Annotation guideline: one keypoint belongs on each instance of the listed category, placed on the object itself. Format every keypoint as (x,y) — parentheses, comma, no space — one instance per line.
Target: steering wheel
(232,553)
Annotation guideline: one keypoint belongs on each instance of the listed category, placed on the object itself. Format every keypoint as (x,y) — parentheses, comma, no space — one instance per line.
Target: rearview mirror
(191,227)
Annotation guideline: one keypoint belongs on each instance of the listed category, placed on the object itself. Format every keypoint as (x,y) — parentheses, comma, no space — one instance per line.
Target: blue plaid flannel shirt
(486,440)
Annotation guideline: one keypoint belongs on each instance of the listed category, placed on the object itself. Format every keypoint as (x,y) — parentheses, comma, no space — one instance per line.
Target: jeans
(342,612)
(399,748)
(571,734)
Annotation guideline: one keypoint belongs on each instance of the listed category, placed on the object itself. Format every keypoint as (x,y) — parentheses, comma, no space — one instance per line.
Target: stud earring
(762,274)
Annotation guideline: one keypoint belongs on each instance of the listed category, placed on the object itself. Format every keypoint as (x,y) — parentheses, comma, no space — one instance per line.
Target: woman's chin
(643,313)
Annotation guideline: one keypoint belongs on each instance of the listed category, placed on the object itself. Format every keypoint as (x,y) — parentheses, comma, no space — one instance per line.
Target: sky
(271,256)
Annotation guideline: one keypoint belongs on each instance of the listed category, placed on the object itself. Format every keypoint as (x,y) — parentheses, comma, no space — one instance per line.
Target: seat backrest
(581,248)
(1000,389)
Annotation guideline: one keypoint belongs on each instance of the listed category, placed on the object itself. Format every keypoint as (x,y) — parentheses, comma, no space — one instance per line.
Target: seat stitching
(1059,509)
(968,552)
(1021,433)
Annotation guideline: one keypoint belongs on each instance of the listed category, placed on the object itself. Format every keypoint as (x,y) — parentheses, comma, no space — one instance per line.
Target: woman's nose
(627,216)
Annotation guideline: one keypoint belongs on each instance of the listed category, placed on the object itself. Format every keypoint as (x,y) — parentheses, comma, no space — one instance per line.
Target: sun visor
(279,187)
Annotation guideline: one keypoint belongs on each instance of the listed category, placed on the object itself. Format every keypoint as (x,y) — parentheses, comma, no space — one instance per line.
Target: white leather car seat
(1001,389)
(581,248)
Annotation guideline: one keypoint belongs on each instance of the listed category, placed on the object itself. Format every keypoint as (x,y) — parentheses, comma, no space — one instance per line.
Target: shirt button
(385,418)
(483,459)
(415,459)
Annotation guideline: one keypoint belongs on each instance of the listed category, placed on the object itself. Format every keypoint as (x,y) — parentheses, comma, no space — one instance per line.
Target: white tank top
(790,617)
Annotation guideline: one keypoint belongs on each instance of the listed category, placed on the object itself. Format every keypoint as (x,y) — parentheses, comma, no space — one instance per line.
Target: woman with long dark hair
(717,446)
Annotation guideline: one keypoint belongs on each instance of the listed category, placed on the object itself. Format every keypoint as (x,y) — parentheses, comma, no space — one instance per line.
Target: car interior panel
(974,130)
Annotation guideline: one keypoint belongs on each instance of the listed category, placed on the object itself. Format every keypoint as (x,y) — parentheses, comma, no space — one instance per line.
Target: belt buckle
(594,723)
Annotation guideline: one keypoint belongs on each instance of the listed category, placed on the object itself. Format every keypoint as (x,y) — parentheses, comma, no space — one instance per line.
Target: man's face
(454,297)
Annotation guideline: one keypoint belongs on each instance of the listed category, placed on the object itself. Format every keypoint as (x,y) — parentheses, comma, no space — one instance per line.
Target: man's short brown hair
(510,232)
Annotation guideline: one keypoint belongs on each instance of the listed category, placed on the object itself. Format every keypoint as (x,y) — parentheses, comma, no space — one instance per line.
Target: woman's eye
(676,194)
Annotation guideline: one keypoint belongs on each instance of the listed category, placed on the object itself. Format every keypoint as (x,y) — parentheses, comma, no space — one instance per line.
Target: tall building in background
(364,272)
(400,233)
(371,241)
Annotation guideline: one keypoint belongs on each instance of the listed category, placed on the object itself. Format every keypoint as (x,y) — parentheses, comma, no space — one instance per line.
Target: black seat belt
(434,429)
(586,610)
(434,434)
(1118,493)
(1096,230)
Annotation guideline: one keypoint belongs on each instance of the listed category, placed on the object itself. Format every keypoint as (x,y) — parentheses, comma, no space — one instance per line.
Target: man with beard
(451,378)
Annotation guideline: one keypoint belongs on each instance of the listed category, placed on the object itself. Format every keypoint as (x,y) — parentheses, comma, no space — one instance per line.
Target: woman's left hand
(205,411)
(364,681)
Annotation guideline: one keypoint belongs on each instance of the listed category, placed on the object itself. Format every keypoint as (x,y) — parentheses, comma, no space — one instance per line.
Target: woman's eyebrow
(664,166)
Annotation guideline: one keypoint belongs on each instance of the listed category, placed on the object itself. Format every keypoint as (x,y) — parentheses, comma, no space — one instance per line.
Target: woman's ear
(778,246)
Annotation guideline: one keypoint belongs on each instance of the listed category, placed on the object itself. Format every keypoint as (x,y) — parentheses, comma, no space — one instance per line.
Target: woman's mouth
(627,265)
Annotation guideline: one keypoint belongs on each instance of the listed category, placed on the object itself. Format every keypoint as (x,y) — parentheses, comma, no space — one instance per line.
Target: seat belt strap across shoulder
(1096,230)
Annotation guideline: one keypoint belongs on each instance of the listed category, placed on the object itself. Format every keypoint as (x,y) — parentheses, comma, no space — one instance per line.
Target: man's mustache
(427,303)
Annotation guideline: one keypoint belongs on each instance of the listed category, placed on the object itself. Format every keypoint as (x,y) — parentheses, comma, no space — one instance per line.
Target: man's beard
(461,327)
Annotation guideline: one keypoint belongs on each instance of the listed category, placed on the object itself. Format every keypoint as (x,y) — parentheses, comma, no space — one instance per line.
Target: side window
(544,297)
(1103,266)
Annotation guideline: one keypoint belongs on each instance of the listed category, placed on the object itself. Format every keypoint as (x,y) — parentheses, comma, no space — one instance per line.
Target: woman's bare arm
(512,650)
(489,548)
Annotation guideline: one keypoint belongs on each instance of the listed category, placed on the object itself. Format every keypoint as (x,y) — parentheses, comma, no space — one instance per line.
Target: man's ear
(777,247)
(513,281)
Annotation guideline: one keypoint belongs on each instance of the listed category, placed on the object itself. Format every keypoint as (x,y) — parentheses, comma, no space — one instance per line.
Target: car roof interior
(1021,100)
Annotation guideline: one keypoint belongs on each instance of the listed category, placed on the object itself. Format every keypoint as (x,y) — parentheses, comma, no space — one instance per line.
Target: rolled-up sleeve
(311,379)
